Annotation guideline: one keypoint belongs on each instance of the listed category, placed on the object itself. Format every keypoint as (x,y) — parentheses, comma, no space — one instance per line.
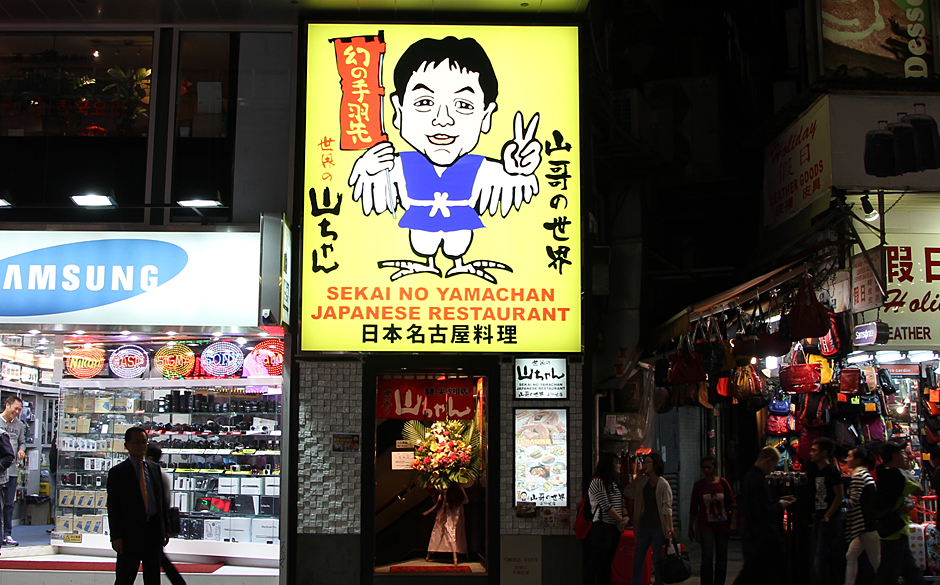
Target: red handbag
(686,365)
(747,382)
(808,317)
(800,378)
(850,381)
(776,426)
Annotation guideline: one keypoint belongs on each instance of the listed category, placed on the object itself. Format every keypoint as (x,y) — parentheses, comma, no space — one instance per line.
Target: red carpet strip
(105,567)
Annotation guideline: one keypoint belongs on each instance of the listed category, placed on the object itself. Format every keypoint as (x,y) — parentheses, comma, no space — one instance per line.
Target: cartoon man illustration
(444,99)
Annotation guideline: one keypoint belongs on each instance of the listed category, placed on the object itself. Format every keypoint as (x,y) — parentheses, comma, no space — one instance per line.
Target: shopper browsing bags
(652,514)
(893,503)
(860,517)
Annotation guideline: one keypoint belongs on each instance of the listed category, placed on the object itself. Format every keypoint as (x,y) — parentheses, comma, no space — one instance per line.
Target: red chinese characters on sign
(429,399)
(359,61)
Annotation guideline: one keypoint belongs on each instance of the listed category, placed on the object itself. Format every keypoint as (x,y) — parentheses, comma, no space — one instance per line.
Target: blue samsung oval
(84,275)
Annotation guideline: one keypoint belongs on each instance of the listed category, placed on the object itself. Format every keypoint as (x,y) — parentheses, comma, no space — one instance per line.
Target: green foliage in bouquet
(446,454)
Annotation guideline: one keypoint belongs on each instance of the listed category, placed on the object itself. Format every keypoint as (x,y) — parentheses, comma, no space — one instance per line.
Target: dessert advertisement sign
(441,189)
(877,38)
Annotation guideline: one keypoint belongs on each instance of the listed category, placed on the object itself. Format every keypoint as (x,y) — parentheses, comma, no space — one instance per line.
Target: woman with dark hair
(712,504)
(606,503)
(861,522)
(652,514)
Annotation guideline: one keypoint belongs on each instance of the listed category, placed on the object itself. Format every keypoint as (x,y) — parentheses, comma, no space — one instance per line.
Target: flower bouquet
(446,454)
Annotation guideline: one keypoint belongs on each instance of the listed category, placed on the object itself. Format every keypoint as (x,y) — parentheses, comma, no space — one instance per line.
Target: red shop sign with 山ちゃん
(425,399)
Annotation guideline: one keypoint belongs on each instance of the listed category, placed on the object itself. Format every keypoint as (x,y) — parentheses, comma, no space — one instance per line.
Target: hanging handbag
(776,425)
(869,379)
(871,404)
(850,380)
(674,566)
(747,383)
(746,342)
(780,404)
(928,374)
(686,365)
(772,344)
(885,382)
(825,367)
(800,378)
(808,317)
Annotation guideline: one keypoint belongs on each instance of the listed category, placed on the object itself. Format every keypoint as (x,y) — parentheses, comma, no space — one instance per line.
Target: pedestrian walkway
(735,562)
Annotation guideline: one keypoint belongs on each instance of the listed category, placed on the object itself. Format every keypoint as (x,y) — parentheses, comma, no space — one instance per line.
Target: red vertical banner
(359,62)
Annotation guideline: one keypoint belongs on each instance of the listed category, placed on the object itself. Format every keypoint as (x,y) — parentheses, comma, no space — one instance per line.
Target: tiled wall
(329,486)
(509,523)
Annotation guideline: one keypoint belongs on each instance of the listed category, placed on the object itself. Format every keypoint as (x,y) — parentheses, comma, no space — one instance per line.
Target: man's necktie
(143,489)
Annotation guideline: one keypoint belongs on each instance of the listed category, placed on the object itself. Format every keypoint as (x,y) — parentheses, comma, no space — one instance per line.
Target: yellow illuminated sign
(442,182)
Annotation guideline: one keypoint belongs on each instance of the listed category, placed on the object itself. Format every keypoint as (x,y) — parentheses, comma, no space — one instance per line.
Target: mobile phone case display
(221,449)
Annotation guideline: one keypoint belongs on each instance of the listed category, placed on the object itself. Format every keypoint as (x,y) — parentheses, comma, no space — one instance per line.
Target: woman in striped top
(860,517)
(606,502)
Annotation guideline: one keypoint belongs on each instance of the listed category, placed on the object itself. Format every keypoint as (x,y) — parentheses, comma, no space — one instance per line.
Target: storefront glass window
(74,117)
(75,84)
(204,143)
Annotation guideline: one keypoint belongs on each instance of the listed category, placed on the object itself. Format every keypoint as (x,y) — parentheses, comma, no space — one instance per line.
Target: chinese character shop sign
(542,378)
(442,182)
(797,165)
(912,303)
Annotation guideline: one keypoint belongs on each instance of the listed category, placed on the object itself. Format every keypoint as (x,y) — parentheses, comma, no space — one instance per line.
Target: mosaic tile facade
(330,402)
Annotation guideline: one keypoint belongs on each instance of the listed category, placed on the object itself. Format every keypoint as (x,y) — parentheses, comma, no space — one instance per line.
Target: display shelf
(227,452)
(203,384)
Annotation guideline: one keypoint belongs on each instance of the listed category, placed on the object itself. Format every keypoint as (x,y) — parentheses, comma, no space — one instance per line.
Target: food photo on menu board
(541,457)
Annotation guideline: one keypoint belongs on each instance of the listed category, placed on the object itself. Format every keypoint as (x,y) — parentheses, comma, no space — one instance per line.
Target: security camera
(265,313)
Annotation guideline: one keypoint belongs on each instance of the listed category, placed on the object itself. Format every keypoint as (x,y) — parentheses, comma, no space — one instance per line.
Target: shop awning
(736,296)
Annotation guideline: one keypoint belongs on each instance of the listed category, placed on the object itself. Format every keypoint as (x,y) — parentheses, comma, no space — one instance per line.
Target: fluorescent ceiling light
(889,356)
(771,362)
(858,357)
(92,200)
(920,356)
(773,319)
(200,203)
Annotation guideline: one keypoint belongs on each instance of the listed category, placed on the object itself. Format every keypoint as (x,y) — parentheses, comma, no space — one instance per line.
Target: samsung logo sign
(84,275)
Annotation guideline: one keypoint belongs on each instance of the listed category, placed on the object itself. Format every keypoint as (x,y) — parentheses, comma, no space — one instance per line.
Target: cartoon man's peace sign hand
(522,154)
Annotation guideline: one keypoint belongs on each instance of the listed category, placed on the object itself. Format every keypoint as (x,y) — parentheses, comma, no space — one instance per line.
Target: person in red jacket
(712,504)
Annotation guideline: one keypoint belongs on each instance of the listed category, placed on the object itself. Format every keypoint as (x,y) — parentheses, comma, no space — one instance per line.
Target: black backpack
(7,454)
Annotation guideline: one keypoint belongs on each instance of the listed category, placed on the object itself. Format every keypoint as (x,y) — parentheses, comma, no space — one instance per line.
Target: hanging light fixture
(871,214)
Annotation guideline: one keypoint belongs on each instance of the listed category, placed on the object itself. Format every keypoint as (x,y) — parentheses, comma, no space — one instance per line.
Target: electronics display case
(221,448)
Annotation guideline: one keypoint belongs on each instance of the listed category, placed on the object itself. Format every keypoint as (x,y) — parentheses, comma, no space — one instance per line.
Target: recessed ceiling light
(125,332)
(172,333)
(241,341)
(133,338)
(263,334)
(34,332)
(79,332)
(87,346)
(93,200)
(200,203)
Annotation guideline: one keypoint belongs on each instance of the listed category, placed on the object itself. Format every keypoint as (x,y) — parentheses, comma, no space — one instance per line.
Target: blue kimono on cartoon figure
(445,97)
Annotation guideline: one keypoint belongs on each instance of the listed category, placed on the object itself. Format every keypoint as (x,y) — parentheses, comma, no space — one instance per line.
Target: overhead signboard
(866,294)
(545,378)
(797,165)
(129,278)
(885,142)
(442,189)
(877,38)
(912,304)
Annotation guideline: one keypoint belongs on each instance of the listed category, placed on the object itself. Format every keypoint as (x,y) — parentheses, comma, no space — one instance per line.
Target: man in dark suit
(137,512)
